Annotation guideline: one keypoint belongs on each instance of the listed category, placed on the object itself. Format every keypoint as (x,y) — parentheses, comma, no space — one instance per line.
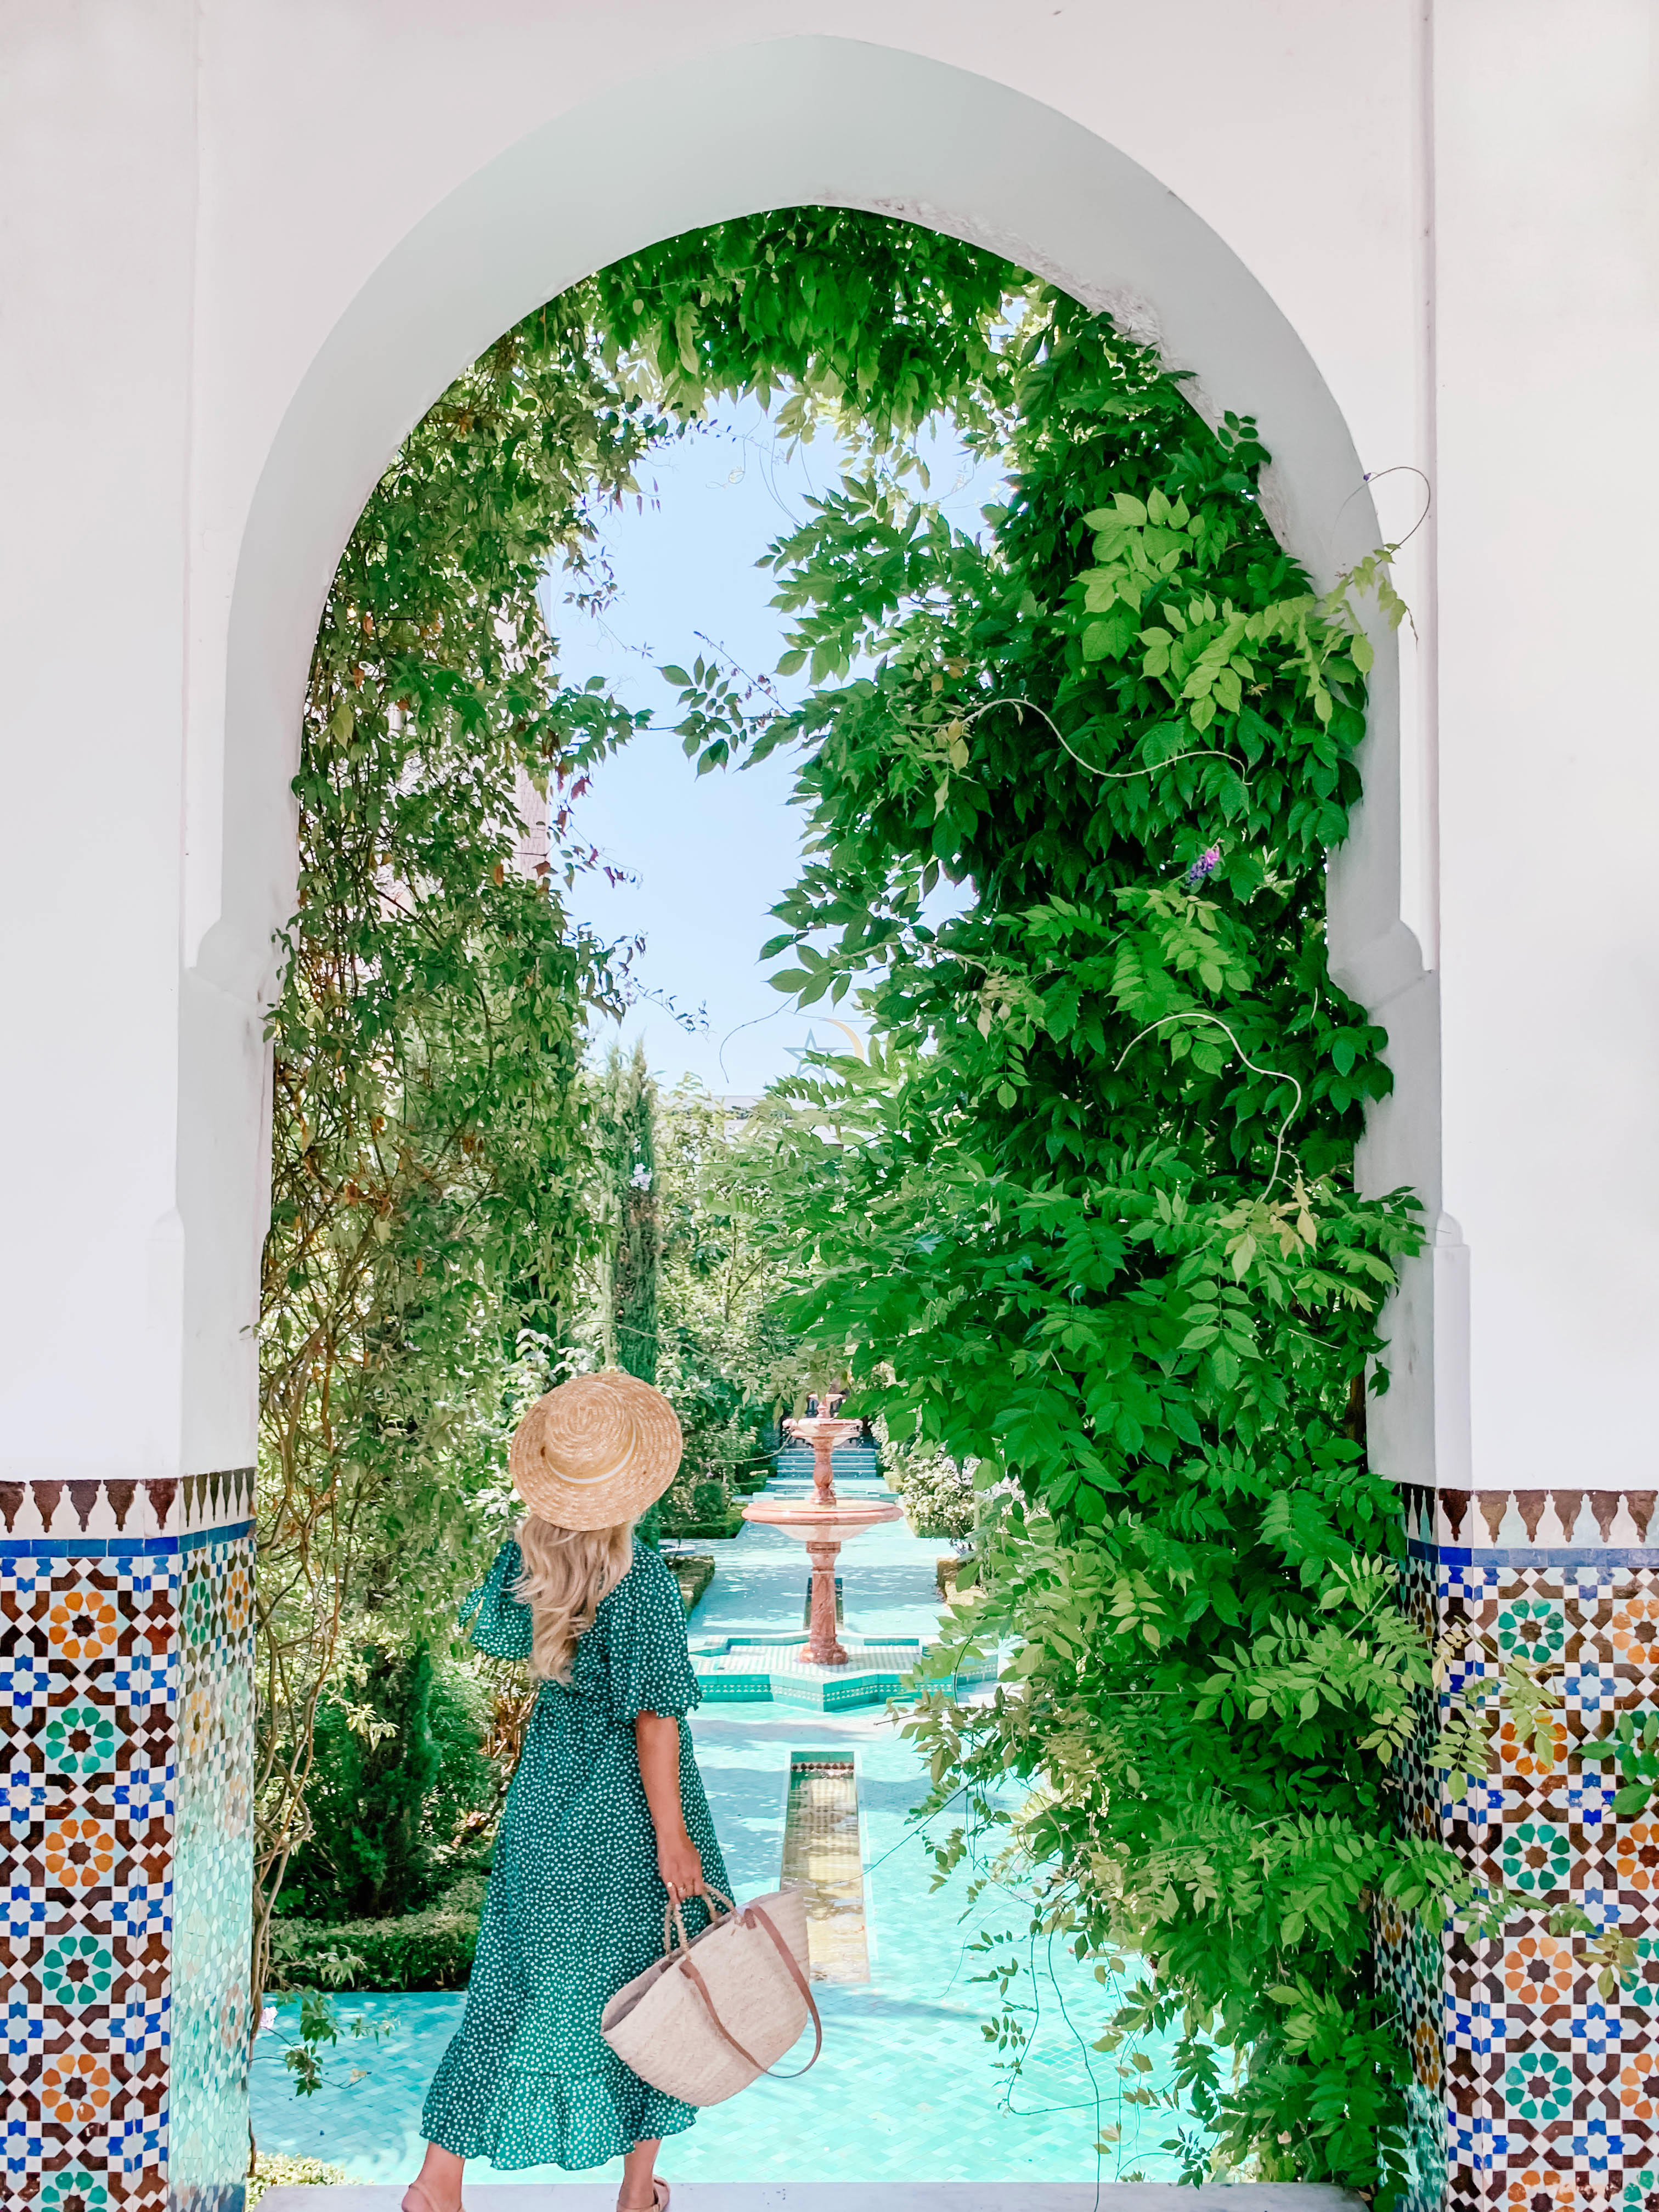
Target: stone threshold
(841,2196)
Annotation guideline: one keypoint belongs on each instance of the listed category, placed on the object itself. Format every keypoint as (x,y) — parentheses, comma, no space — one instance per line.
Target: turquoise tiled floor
(907,2088)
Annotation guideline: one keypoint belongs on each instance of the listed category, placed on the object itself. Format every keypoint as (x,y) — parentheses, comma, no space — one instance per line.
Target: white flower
(640,1177)
(267,2019)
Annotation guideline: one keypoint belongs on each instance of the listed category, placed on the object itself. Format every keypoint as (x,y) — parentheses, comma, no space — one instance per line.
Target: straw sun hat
(596,1451)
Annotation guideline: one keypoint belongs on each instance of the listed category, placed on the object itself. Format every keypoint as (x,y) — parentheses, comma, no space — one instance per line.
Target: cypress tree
(629,1170)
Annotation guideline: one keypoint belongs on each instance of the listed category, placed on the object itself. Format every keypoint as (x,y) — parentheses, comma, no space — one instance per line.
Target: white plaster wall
(98,186)
(237,265)
(1545,145)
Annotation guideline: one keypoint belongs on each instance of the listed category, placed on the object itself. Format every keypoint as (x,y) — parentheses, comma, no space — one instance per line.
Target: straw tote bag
(715,2013)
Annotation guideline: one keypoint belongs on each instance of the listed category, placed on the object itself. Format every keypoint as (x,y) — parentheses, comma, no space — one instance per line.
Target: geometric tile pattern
(1532,2091)
(213,1879)
(125,1717)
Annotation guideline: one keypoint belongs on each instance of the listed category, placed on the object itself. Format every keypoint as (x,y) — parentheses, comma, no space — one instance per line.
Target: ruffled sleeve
(499,1623)
(647,1659)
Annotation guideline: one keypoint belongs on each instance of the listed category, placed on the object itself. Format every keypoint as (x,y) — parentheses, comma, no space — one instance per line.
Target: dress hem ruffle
(585,2121)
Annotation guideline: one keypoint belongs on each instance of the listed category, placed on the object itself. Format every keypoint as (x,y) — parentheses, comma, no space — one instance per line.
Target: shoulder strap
(801,1982)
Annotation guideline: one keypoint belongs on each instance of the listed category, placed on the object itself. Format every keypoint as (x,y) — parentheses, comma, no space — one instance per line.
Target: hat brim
(646,1463)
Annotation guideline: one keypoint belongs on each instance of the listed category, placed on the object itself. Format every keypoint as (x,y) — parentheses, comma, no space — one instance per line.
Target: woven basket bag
(715,2013)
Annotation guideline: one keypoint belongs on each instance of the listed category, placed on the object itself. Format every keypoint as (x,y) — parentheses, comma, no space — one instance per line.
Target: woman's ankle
(437,2186)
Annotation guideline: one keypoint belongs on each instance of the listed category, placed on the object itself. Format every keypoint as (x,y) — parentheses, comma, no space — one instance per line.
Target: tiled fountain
(824,1673)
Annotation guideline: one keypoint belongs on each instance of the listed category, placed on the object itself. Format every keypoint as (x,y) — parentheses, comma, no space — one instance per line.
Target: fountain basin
(808,1522)
(770,1670)
(824,1524)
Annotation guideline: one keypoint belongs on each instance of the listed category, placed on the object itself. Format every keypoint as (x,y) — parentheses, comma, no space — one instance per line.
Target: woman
(606,1824)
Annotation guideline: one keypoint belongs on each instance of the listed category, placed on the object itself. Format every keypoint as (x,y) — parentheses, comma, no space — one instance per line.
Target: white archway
(826,120)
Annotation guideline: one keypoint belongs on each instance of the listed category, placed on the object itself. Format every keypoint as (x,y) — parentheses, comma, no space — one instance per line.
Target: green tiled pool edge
(789,1681)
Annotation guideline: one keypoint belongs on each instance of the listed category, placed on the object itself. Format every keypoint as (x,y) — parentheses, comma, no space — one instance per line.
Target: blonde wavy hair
(566,1574)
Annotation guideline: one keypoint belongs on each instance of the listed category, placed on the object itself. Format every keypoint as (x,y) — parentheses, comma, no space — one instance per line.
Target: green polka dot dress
(574,1905)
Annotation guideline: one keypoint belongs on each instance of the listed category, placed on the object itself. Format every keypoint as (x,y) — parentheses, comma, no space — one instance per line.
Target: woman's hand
(681,1868)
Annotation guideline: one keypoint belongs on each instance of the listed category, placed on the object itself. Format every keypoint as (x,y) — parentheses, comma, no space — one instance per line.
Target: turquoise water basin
(908,2088)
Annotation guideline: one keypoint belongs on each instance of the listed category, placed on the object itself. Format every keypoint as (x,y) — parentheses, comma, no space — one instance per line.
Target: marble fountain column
(824,1523)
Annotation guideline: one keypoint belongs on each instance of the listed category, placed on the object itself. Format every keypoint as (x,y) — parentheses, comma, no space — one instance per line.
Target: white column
(125,1573)
(1540,1543)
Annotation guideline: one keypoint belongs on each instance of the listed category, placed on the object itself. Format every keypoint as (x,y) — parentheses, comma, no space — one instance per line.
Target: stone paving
(831,2196)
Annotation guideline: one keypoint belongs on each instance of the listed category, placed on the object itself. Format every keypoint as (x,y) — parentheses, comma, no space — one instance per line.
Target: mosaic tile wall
(213,1877)
(1534,2092)
(126,1696)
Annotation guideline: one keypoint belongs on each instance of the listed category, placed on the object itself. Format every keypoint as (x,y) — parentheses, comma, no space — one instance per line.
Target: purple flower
(1203,867)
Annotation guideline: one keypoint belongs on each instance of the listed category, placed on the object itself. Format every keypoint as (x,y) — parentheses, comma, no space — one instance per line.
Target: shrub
(938,1498)
(398,1769)
(700,1507)
(937,1491)
(275,2169)
(428,1950)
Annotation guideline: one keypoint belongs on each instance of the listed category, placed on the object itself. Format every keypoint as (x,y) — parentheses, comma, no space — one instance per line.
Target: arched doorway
(830,121)
(826,120)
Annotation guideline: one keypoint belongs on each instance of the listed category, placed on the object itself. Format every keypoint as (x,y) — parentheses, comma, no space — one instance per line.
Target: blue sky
(706,857)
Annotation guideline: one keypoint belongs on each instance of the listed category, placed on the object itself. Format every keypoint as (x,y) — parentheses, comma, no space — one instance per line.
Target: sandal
(427,2202)
(660,2193)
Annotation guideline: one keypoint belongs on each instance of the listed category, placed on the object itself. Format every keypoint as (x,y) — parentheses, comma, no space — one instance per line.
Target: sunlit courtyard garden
(830,1069)
(910,2087)
(816,788)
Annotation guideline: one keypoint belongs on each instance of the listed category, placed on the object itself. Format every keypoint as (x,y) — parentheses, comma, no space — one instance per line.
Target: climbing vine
(427,1118)
(434,1149)
(1087,1214)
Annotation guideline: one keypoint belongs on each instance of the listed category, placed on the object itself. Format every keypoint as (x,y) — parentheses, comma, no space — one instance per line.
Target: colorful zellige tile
(104,1820)
(1550,2095)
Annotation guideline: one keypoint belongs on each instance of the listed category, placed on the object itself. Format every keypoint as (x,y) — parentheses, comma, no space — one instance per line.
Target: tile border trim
(68,1508)
(1573,1555)
(127,1547)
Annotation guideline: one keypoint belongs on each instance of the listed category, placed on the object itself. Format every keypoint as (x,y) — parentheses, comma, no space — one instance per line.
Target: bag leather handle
(801,1982)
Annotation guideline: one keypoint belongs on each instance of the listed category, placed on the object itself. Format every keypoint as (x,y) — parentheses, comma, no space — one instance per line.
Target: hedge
(428,1950)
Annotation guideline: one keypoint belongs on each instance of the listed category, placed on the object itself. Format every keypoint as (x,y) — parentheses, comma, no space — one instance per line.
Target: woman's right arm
(657,1741)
